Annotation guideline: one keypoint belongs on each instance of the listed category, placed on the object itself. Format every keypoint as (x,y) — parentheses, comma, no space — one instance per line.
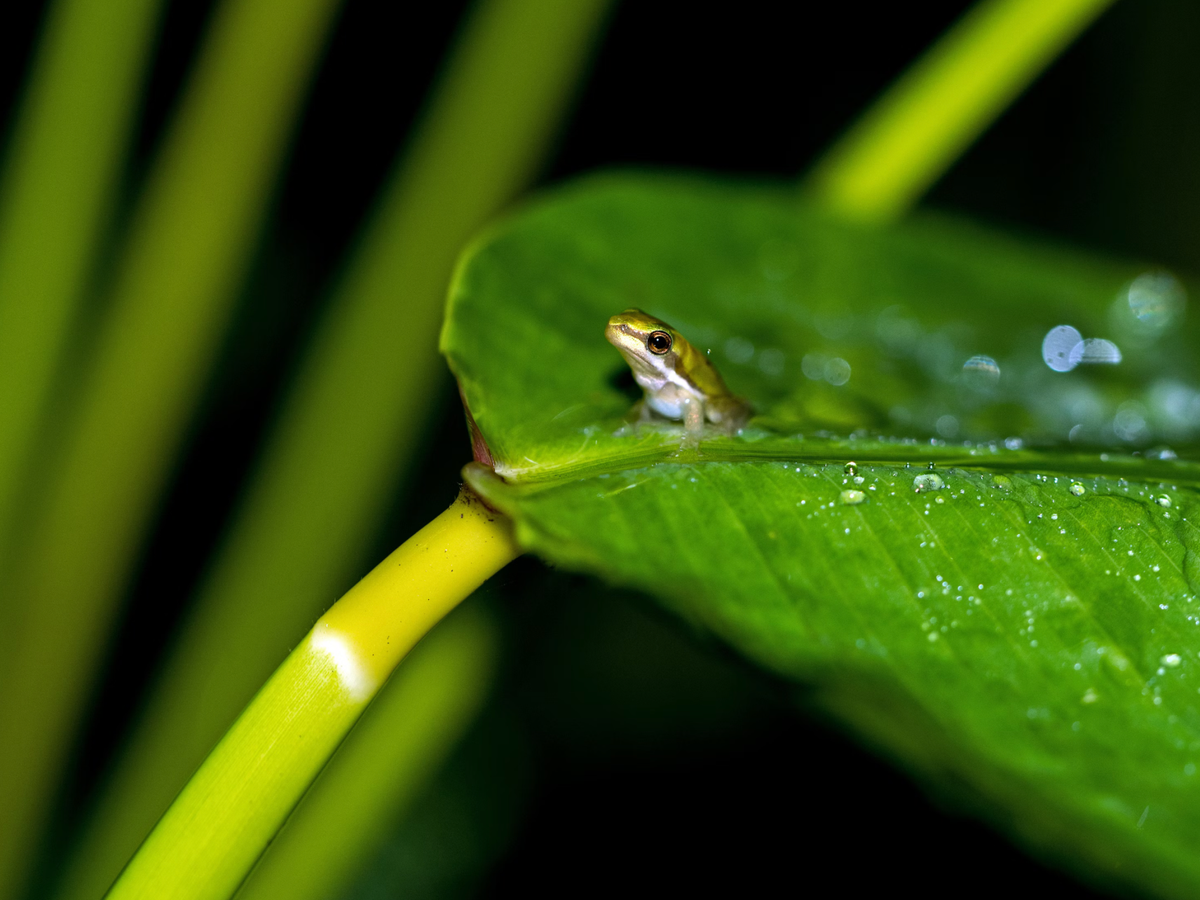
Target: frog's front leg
(645,413)
(639,414)
(692,412)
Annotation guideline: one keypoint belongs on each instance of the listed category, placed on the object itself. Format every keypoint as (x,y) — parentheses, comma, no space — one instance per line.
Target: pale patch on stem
(346,658)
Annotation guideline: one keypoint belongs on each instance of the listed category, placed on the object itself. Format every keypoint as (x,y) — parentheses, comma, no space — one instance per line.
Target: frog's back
(700,371)
(722,406)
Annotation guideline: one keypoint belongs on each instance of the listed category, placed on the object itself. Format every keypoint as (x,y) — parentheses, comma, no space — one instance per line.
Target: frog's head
(647,343)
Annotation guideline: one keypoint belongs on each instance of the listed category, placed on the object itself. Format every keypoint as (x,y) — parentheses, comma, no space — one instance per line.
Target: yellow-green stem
(212,835)
(924,122)
(387,759)
(348,428)
(191,237)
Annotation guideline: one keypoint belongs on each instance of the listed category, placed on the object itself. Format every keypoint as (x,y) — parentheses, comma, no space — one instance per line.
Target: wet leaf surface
(1021,620)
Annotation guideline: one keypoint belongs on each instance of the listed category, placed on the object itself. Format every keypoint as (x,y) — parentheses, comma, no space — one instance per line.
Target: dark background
(619,754)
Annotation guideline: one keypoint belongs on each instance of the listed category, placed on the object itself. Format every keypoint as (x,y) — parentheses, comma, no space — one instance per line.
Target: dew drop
(853,498)
(837,371)
(1171,660)
(739,350)
(1095,351)
(1077,489)
(1150,305)
(1163,500)
(928,482)
(850,468)
(772,362)
(980,373)
(1057,346)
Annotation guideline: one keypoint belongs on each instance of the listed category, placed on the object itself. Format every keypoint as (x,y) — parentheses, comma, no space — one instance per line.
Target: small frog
(679,381)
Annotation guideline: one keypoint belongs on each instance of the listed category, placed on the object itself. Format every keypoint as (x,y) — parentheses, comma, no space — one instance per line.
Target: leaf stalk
(208,841)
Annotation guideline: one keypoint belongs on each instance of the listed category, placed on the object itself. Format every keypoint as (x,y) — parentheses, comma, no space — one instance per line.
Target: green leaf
(1021,622)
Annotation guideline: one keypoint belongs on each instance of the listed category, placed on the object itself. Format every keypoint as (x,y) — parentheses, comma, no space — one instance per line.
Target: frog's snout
(615,331)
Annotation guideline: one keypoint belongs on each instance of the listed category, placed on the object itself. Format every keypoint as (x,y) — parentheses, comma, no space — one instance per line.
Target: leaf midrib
(1180,473)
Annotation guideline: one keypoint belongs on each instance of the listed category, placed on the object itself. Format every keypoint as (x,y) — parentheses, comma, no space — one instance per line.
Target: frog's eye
(658,342)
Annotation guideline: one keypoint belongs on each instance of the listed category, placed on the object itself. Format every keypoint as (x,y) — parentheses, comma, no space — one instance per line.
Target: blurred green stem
(191,237)
(60,179)
(924,122)
(58,188)
(349,425)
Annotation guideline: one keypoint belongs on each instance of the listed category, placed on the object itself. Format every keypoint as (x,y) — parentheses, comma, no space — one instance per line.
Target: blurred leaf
(60,181)
(191,236)
(352,419)
(1021,621)
(924,122)
(59,184)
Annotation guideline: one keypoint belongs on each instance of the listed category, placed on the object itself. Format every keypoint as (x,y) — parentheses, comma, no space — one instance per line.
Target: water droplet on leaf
(928,482)
(980,373)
